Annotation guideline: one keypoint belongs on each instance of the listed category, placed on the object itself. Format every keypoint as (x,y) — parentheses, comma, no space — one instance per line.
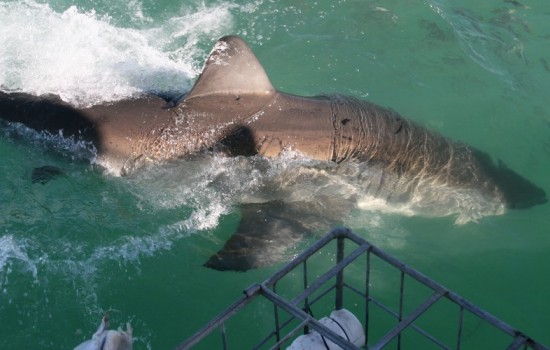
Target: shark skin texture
(233,108)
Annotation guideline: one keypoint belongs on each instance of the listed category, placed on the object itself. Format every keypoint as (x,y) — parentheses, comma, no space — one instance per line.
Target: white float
(341,322)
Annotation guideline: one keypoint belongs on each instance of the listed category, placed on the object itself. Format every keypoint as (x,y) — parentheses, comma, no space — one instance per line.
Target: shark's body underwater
(233,107)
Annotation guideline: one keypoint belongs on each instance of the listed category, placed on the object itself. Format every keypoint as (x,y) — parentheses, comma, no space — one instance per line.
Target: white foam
(371,203)
(69,147)
(11,250)
(196,23)
(432,200)
(86,59)
(135,7)
(130,248)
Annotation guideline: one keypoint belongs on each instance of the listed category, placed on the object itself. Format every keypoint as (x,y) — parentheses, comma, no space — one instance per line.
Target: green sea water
(89,241)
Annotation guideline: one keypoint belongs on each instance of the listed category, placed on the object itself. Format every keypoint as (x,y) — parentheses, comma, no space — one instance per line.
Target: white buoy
(104,339)
(341,322)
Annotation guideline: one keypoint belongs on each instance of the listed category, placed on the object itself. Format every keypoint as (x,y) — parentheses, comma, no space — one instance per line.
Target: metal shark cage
(399,307)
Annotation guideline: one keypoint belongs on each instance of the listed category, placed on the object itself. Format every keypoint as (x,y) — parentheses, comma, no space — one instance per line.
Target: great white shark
(234,109)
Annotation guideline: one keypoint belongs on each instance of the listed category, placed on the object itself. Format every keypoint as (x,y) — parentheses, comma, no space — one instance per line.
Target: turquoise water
(89,241)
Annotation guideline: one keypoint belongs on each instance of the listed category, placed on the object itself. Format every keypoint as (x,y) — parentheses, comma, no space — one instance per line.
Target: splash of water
(13,252)
(86,59)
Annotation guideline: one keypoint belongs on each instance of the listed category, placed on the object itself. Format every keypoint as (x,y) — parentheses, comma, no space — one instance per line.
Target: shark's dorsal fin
(232,69)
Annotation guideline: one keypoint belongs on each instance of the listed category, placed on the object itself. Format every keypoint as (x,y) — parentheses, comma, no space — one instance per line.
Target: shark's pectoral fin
(263,237)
